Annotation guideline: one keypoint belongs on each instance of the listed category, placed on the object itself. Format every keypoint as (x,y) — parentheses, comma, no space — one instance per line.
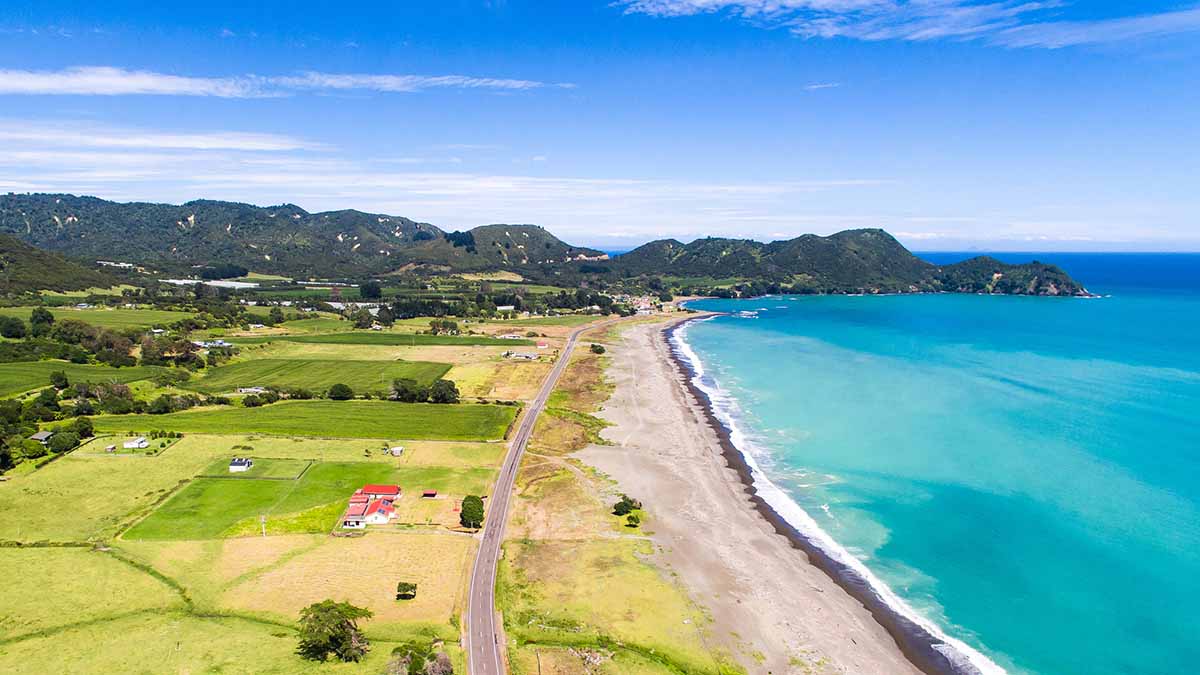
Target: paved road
(483,639)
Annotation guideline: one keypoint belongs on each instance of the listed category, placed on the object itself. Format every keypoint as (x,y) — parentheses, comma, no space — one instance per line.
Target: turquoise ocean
(1023,474)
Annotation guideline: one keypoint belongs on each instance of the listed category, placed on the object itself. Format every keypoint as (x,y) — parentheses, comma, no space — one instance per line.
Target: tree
(597,349)
(632,520)
(362,319)
(58,380)
(12,327)
(40,321)
(370,290)
(471,514)
(329,627)
(275,315)
(443,391)
(252,401)
(406,590)
(83,427)
(385,317)
(341,392)
(409,391)
(63,441)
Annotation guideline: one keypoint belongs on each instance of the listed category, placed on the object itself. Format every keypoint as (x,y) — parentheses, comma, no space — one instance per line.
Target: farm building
(42,437)
(251,390)
(429,494)
(396,451)
(136,443)
(388,492)
(240,464)
(542,345)
(521,356)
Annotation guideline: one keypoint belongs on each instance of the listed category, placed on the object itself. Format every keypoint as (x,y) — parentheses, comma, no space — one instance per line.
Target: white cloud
(100,136)
(110,81)
(817,86)
(1016,23)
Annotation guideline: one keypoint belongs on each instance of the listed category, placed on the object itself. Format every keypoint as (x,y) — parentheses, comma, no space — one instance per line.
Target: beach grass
(316,375)
(332,419)
(26,375)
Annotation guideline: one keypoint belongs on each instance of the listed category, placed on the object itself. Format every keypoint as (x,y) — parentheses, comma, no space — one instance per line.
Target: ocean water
(1023,473)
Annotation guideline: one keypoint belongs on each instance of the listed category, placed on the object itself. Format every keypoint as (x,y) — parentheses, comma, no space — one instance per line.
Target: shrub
(12,327)
(341,392)
(406,590)
(443,391)
(58,380)
(597,349)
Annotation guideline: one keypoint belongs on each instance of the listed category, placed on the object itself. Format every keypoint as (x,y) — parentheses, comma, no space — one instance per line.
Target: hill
(282,239)
(288,240)
(24,268)
(853,261)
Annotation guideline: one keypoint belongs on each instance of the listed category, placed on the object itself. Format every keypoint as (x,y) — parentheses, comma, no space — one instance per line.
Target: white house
(42,437)
(240,464)
(136,443)
(251,390)
(396,451)
(505,308)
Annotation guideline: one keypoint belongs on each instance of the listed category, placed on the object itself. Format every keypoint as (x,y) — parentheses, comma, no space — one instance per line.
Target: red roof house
(379,512)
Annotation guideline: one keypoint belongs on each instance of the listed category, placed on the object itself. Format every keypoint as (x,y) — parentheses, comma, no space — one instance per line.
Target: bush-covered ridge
(288,240)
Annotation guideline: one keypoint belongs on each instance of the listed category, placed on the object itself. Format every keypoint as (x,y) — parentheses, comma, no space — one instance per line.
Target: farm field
(108,318)
(336,419)
(449,354)
(25,375)
(316,375)
(174,642)
(381,338)
(207,508)
(269,469)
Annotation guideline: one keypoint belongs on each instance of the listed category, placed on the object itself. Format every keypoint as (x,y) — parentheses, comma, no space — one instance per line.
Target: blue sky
(1028,125)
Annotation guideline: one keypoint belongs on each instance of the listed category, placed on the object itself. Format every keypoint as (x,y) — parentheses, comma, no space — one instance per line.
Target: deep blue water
(1025,472)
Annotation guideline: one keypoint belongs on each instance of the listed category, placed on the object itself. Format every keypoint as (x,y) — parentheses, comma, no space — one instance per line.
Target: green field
(377,338)
(564,320)
(109,318)
(336,419)
(26,375)
(317,375)
(209,507)
(274,469)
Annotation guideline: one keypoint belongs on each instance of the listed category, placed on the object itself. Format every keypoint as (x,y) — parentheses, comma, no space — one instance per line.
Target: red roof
(359,498)
(356,510)
(378,506)
(381,489)
(429,493)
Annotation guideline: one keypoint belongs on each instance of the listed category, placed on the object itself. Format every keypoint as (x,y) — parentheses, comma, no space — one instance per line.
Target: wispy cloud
(1014,23)
(87,135)
(133,164)
(817,86)
(111,81)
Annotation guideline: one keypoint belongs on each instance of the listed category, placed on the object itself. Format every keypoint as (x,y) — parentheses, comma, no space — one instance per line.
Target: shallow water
(1025,472)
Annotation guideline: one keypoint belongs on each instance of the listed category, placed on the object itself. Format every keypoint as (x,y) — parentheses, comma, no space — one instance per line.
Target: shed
(42,437)
(429,494)
(240,464)
(136,443)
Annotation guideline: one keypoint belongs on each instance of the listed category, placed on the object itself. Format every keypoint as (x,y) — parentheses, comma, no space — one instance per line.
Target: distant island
(349,244)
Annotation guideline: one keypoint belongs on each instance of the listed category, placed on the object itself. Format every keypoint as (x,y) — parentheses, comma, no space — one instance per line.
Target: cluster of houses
(209,344)
(371,505)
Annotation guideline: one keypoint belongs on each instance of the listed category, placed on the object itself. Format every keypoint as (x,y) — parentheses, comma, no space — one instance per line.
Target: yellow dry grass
(365,571)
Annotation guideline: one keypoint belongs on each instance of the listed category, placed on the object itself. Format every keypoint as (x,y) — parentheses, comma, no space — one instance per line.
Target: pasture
(25,375)
(332,419)
(316,375)
(382,338)
(102,316)
(208,508)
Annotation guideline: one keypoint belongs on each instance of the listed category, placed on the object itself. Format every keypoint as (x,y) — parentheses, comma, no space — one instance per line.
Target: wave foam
(725,409)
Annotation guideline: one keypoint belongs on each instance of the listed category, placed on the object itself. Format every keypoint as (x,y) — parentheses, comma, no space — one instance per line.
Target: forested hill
(282,239)
(25,268)
(288,240)
(868,261)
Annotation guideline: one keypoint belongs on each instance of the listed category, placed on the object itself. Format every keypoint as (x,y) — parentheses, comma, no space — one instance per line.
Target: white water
(725,409)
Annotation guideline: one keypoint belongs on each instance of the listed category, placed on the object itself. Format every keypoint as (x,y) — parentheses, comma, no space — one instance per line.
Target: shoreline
(925,650)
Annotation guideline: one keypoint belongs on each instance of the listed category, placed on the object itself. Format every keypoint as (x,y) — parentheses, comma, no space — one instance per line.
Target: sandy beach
(769,605)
